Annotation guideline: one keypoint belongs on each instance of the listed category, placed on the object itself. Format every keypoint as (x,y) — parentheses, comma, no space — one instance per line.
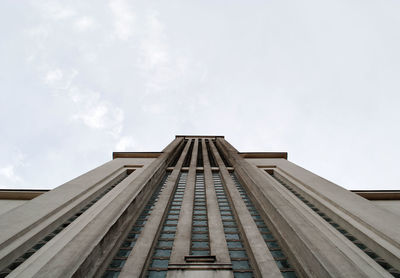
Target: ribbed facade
(199,208)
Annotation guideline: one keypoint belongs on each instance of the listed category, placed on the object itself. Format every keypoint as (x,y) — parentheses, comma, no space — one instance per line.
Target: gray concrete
(218,245)
(77,249)
(22,240)
(371,224)
(265,263)
(181,247)
(86,246)
(135,265)
(200,274)
(318,249)
(392,206)
(7,205)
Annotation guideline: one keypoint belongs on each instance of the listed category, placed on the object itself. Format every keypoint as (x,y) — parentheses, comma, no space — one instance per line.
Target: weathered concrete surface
(135,264)
(218,245)
(371,224)
(7,205)
(392,206)
(181,247)
(266,266)
(200,274)
(76,248)
(318,249)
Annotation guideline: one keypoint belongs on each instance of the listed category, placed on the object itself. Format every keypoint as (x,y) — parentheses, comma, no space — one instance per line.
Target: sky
(317,79)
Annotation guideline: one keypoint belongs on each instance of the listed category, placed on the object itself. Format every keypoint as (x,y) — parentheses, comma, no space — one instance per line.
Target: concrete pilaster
(318,249)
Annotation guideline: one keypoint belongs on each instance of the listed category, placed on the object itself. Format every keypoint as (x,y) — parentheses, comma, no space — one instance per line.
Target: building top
(200,136)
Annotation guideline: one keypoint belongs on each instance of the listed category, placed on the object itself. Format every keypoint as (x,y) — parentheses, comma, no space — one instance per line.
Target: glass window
(240,265)
(159,263)
(162,253)
(157,274)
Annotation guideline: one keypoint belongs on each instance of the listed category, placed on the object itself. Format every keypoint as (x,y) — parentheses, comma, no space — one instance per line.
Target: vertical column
(234,238)
(200,247)
(158,265)
(85,244)
(218,246)
(265,262)
(317,249)
(136,261)
(181,247)
(114,268)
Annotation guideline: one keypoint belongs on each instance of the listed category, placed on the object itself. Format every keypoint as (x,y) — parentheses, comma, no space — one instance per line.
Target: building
(199,208)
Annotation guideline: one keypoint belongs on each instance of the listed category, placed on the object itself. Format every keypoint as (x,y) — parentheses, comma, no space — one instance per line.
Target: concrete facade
(199,208)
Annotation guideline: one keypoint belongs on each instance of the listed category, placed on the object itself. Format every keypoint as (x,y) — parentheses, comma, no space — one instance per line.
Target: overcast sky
(318,79)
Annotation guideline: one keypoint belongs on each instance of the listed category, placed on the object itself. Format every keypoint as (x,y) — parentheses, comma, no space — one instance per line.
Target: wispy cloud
(124,19)
(55,10)
(92,110)
(8,172)
(154,46)
(84,23)
(125,143)
(102,115)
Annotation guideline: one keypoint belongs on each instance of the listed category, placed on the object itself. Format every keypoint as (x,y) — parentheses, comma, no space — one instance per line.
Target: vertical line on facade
(182,244)
(382,262)
(217,240)
(200,154)
(177,154)
(221,154)
(127,245)
(186,162)
(113,183)
(140,254)
(210,155)
(162,251)
(200,245)
(273,245)
(237,252)
(262,258)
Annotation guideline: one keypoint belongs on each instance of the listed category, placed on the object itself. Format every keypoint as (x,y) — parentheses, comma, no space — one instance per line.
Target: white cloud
(84,23)
(153,46)
(95,117)
(53,76)
(124,19)
(9,173)
(282,75)
(103,116)
(92,109)
(59,79)
(124,143)
(153,108)
(55,10)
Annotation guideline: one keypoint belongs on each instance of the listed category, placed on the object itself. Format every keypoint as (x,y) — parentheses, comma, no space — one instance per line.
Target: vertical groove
(177,155)
(114,182)
(162,251)
(182,243)
(210,154)
(200,235)
(221,154)
(200,154)
(218,245)
(237,252)
(120,258)
(188,157)
(383,263)
(272,244)
(264,263)
(140,254)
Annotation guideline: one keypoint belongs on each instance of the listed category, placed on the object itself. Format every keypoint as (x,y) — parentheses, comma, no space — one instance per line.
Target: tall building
(199,208)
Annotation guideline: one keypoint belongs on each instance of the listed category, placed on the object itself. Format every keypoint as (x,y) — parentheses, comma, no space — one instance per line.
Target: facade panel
(200,208)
